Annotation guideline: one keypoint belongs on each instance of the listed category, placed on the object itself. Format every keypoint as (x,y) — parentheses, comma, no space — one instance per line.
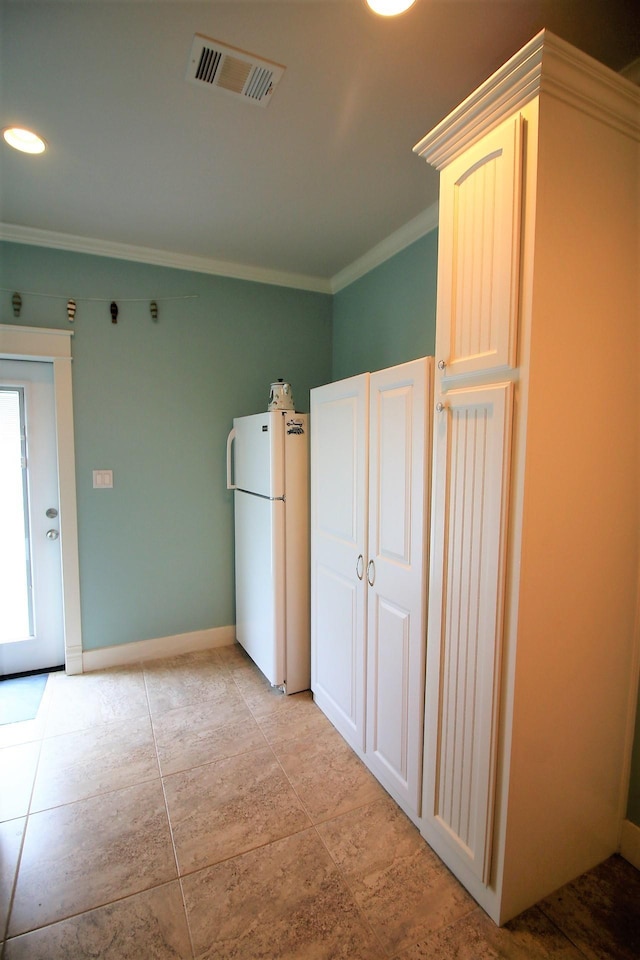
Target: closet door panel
(339,456)
(480,199)
(398,484)
(471,469)
(336,621)
(389,655)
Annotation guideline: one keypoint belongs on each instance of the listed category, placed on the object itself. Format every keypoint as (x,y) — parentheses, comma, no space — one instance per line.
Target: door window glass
(16,622)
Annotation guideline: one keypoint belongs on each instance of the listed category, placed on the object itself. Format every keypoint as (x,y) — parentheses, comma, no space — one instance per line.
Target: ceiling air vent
(233,71)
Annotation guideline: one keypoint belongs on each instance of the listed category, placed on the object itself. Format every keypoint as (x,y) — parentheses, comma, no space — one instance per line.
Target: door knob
(52,513)
(52,534)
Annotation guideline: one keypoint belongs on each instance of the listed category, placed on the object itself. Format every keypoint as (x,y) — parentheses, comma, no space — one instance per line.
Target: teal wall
(389,315)
(155,402)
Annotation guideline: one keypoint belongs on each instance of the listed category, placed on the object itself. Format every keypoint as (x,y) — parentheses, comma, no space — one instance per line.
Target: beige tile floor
(183,809)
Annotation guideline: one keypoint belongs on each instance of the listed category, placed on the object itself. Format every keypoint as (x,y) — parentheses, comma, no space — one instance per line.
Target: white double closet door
(370,459)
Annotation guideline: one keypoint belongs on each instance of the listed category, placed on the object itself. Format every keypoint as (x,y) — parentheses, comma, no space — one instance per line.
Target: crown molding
(160,258)
(545,65)
(406,235)
(632,71)
(424,223)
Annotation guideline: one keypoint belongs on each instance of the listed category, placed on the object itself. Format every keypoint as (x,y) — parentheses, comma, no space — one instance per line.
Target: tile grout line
(47,696)
(284,772)
(277,759)
(272,747)
(179,875)
(361,806)
(311,826)
(97,906)
(344,880)
(164,793)
(566,936)
(80,731)
(314,827)
(166,807)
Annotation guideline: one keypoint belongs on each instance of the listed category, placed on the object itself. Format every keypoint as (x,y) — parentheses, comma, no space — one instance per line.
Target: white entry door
(31,615)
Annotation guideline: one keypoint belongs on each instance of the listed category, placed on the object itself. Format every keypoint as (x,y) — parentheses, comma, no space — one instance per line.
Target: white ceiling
(304,187)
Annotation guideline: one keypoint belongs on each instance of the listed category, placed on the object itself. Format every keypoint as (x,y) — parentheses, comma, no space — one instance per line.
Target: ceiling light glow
(24,140)
(390,8)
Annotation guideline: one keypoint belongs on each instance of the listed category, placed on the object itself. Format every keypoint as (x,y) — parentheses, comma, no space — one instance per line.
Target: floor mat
(20,697)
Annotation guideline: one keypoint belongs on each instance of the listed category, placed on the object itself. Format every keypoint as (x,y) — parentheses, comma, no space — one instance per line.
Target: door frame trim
(54,346)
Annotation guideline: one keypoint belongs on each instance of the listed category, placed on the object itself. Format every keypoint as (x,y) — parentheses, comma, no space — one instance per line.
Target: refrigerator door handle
(230,439)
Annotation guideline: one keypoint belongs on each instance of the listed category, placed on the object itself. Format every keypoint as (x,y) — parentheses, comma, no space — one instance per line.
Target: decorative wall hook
(16,300)
(114,311)
(153,307)
(71,310)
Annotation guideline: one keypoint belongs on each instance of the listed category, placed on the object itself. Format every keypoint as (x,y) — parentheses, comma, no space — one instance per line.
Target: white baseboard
(126,653)
(630,843)
(73,661)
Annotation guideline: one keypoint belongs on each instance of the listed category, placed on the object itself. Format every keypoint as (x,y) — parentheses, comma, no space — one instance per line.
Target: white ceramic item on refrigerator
(280,396)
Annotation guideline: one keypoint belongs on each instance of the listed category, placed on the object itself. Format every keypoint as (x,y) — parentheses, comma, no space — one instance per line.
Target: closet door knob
(371,573)
(442,364)
(360,567)
(440,407)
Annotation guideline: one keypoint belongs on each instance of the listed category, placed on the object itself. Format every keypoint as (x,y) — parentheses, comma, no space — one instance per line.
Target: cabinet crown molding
(546,65)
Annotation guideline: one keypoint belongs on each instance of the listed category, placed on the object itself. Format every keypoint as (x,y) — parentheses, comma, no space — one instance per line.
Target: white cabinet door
(469,516)
(479,249)
(339,457)
(399,417)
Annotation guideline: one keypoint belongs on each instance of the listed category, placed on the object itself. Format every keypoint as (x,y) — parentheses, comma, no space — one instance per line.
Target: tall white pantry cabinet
(532,662)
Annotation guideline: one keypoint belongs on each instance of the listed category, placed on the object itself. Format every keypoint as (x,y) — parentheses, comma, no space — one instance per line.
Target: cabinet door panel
(471,468)
(339,457)
(400,402)
(479,255)
(337,625)
(389,652)
(391,454)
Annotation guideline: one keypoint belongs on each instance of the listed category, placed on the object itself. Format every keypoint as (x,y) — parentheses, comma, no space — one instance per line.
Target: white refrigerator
(268,470)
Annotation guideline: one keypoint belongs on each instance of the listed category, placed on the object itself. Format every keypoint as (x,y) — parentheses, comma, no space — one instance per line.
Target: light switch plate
(102,479)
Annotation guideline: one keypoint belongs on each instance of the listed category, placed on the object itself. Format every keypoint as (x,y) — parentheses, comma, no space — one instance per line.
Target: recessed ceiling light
(390,8)
(24,140)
